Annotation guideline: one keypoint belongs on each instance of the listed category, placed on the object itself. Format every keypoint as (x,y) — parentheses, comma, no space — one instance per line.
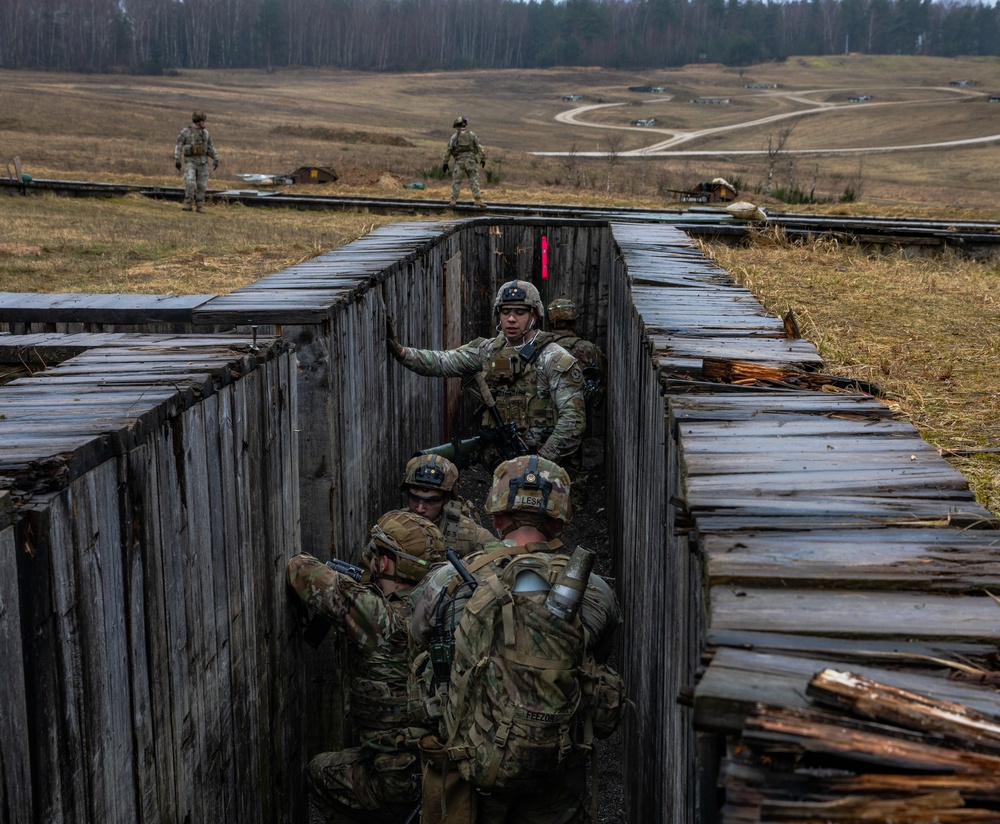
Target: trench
(710,488)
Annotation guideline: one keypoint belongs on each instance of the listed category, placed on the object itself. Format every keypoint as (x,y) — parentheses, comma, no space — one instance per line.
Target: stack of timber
(840,549)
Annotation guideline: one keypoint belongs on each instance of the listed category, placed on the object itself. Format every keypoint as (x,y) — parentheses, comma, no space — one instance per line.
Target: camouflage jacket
(543,396)
(592,362)
(376,627)
(464,143)
(195,145)
(462,533)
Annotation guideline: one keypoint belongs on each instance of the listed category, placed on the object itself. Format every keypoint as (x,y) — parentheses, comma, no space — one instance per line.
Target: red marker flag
(545,258)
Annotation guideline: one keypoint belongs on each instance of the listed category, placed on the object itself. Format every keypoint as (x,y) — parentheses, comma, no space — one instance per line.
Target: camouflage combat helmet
(532,486)
(196,116)
(414,543)
(562,310)
(519,293)
(460,121)
(431,472)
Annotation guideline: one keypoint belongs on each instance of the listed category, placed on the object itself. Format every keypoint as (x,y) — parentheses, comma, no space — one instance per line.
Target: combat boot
(451,204)
(200,208)
(479,203)
(187,206)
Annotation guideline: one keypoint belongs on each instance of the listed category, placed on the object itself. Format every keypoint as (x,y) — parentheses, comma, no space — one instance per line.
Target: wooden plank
(894,558)
(869,698)
(738,679)
(855,614)
(15,765)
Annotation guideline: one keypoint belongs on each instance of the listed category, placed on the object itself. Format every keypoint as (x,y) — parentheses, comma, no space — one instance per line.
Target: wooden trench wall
(719,494)
(148,494)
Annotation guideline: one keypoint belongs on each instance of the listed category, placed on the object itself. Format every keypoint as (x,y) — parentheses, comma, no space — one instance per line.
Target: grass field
(927,330)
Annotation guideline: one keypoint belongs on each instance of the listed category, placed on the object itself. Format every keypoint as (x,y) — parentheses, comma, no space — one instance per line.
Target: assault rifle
(504,437)
(319,625)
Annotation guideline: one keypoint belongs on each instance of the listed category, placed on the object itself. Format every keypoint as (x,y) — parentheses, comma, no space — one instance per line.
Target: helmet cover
(431,472)
(531,485)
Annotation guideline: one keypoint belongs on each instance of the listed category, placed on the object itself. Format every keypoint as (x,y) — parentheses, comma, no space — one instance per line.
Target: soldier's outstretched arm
(467,359)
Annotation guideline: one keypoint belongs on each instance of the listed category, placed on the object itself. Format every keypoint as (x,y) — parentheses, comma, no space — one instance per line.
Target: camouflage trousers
(371,783)
(195,182)
(468,166)
(563,802)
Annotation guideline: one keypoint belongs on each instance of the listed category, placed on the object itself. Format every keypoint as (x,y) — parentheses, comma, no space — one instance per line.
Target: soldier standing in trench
(377,781)
(536,384)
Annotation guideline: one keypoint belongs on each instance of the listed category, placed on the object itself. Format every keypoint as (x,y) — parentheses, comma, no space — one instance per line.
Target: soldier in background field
(469,157)
(192,152)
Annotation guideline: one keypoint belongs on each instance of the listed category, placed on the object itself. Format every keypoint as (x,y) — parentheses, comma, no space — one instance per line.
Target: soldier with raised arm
(535,383)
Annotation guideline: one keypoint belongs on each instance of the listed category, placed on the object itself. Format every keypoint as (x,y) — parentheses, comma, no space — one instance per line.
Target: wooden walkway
(808,533)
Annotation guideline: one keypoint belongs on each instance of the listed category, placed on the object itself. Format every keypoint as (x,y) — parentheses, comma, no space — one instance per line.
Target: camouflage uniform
(544,398)
(194,148)
(562,318)
(563,800)
(378,780)
(469,155)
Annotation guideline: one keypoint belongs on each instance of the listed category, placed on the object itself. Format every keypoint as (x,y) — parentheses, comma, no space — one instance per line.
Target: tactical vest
(513,380)
(196,144)
(460,531)
(378,689)
(462,142)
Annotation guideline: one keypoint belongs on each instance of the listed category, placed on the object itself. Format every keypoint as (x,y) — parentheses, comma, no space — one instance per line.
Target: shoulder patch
(565,363)
(576,374)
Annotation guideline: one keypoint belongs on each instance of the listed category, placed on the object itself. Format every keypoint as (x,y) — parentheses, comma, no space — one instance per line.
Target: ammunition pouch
(447,798)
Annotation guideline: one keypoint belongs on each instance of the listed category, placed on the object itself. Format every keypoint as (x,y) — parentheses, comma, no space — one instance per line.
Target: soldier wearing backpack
(511,659)
(377,781)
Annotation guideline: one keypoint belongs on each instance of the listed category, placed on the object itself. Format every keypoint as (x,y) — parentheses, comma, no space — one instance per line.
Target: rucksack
(526,697)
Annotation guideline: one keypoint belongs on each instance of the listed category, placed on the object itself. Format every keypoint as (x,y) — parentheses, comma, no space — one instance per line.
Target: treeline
(152,36)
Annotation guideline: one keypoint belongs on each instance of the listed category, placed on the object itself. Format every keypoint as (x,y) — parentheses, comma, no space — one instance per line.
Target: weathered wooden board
(892,558)
(737,679)
(853,614)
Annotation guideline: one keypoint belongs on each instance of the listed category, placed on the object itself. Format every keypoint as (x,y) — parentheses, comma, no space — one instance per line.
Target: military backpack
(526,697)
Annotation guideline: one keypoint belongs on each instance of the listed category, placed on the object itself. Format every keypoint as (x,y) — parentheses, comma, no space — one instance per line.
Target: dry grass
(139,245)
(925,329)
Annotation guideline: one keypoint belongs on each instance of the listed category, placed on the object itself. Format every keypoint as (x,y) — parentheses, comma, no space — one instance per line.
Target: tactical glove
(395,347)
(177,165)
(215,165)
(482,163)
(444,168)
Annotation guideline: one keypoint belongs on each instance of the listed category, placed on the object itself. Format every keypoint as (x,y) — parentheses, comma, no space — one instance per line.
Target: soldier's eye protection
(516,311)
(424,499)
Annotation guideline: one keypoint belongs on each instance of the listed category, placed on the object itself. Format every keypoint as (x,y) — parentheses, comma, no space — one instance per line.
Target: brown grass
(140,245)
(927,330)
